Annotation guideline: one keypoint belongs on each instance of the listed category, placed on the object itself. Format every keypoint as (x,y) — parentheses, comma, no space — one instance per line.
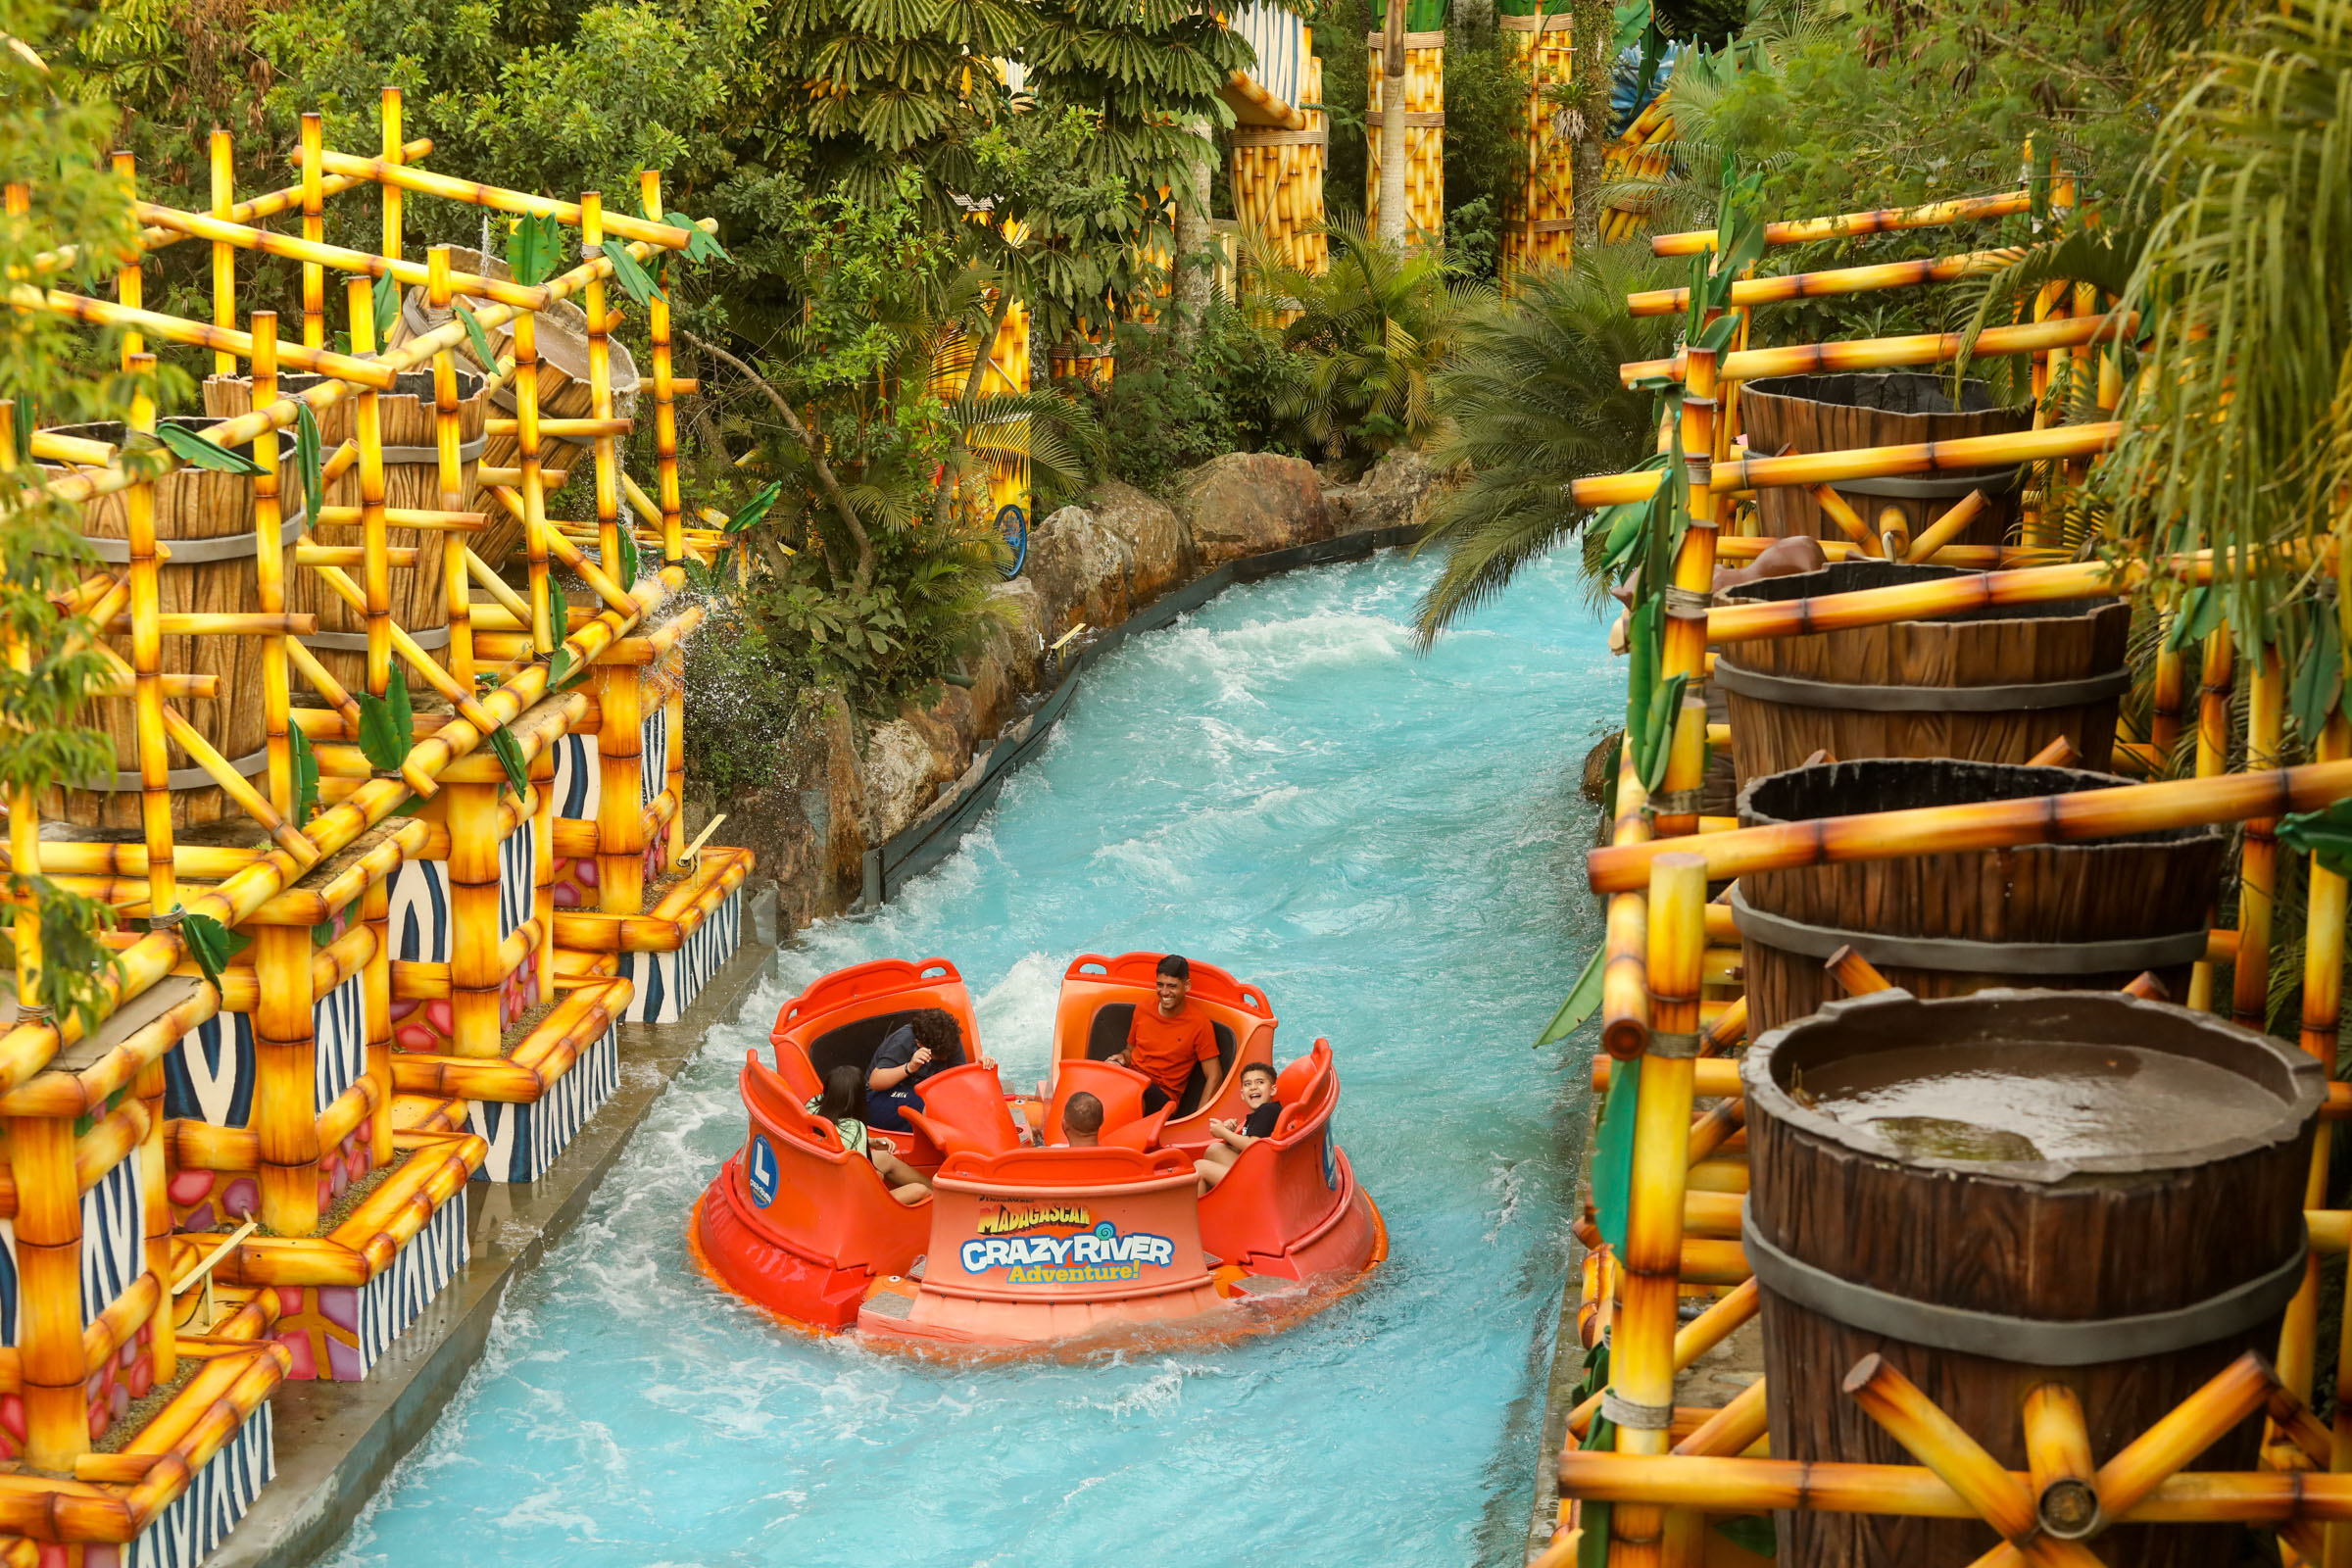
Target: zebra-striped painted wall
(339,1025)
(667,982)
(195,1523)
(1280,39)
(113,1234)
(419,903)
(578,785)
(210,1077)
(419,1271)
(526,1140)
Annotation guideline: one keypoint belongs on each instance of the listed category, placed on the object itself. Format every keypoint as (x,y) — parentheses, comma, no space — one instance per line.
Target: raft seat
(1120,1089)
(965,1110)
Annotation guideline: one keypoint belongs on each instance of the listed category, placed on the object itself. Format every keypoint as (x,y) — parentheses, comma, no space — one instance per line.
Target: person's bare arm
(892,1077)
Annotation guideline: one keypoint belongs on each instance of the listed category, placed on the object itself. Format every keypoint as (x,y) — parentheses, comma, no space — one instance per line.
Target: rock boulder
(1250,503)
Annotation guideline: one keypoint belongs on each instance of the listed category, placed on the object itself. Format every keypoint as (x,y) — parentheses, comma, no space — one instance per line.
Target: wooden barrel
(205,519)
(561,337)
(1797,414)
(2090,916)
(411,479)
(1995,685)
(2008,1189)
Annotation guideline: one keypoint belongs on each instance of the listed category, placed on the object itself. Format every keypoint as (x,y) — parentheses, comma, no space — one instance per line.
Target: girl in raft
(1228,1140)
(835,1104)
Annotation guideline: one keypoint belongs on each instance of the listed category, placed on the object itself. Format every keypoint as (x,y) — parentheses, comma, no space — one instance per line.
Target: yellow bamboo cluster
(1539,229)
(1278,177)
(1424,133)
(1665,1014)
(313,895)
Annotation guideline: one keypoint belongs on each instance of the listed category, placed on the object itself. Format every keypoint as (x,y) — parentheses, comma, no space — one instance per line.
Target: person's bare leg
(898,1173)
(911,1193)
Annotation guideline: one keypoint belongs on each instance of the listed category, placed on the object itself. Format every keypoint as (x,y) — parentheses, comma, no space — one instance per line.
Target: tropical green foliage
(1534,401)
(1169,410)
(1376,328)
(60,143)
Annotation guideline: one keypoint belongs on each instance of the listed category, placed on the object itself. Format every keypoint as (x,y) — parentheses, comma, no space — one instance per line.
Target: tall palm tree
(1534,403)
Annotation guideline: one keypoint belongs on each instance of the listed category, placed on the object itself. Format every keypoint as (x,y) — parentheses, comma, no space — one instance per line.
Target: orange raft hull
(1019,1244)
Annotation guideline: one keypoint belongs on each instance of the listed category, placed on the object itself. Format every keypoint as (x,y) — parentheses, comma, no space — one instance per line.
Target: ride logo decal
(760,1170)
(1099,1256)
(1003,1217)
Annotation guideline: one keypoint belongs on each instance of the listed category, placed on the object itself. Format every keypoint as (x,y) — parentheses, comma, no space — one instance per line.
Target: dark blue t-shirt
(898,1049)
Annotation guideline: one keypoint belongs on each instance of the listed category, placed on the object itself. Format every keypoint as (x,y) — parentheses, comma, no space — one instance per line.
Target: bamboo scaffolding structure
(671,509)
(378,171)
(49,1331)
(1804,232)
(146,656)
(314,234)
(319,255)
(228,344)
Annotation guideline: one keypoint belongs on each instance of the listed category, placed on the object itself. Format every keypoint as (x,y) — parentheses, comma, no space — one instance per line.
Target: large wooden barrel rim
(179,553)
(2092,1017)
(1796,692)
(418,384)
(1964,956)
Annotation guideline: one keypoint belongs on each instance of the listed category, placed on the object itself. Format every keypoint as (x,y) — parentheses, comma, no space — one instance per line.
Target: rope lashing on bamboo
(1624,1412)
(2042,1342)
(1673,1046)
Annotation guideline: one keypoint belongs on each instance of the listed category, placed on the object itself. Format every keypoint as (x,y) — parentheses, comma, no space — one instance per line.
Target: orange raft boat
(1022,1239)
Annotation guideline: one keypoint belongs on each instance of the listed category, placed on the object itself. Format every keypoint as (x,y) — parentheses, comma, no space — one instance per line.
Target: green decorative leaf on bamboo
(306,776)
(193,449)
(1612,1170)
(1665,705)
(558,612)
(26,417)
(2325,835)
(630,275)
(1584,999)
(700,244)
(387,724)
(2201,611)
(1749,1533)
(385,297)
(510,757)
(483,354)
(753,509)
(534,249)
(310,464)
(2318,693)
(210,945)
(625,564)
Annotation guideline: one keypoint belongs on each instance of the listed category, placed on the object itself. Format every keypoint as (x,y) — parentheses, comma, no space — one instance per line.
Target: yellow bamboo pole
(2166,703)
(1889,353)
(543,868)
(340,257)
(1752,291)
(388,113)
(1804,232)
(1867,462)
(1984,825)
(1642,1363)
(2066,1498)
(666,409)
(620,810)
(286,1122)
(128,286)
(1624,975)
(2258,856)
(225,257)
(604,448)
(451,473)
(146,656)
(314,234)
(376,994)
(1937,1442)
(368,429)
(227,344)
(666,235)
(544,634)
(270,572)
(155,1178)
(48,1253)
(474,975)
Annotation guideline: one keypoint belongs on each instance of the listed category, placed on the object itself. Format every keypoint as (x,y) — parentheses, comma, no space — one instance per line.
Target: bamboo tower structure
(1280,138)
(1684,1133)
(261,1164)
(1540,225)
(1424,116)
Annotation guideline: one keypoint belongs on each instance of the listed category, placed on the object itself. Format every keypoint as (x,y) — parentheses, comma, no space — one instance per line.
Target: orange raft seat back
(796,1223)
(964,1112)
(843,1018)
(1098,999)
(1120,1089)
(1290,1206)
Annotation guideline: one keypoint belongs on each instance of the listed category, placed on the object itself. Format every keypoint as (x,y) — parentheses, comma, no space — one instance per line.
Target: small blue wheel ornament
(1013,523)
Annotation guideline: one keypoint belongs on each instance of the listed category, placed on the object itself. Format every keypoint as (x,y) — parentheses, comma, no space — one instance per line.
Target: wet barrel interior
(2066,1159)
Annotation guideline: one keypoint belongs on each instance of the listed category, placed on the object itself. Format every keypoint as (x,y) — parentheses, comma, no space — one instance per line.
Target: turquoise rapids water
(1391,846)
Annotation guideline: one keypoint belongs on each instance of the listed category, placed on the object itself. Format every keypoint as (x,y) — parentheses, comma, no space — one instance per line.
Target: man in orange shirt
(1163,1041)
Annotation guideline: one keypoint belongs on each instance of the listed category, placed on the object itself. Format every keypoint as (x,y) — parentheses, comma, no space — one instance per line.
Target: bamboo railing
(1666,1012)
(310,888)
